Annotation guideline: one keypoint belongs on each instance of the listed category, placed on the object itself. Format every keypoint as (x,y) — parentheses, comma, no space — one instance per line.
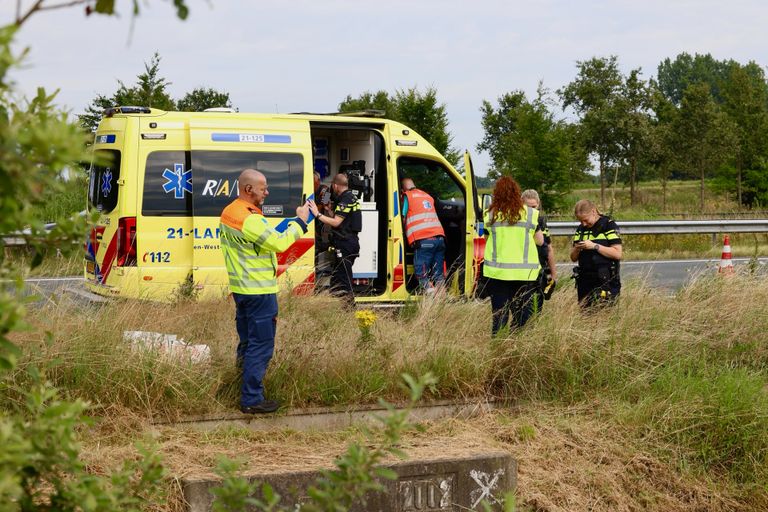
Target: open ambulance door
(474,240)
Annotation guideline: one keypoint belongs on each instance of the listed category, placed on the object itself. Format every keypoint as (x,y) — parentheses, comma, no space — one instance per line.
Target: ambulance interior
(434,179)
(359,152)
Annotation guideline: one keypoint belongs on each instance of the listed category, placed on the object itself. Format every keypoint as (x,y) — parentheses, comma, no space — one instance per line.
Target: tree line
(699,118)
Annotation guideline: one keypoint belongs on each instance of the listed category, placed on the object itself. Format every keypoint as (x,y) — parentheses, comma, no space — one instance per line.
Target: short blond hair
(531,194)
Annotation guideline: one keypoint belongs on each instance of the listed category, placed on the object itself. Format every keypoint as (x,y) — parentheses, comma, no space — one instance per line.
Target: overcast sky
(307,55)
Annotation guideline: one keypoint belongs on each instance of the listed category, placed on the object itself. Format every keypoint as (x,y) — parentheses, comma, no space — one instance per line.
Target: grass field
(681,380)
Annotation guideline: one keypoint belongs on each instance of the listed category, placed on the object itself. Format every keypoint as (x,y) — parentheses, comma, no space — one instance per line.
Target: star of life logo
(177,181)
(106,183)
(427,205)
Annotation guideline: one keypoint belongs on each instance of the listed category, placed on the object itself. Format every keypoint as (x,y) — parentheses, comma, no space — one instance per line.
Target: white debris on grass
(168,346)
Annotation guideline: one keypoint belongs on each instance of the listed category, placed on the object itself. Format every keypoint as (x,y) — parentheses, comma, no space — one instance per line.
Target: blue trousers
(428,260)
(256,320)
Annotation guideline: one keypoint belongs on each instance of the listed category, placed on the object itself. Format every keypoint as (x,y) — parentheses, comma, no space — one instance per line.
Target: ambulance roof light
(111,111)
(220,109)
(370,112)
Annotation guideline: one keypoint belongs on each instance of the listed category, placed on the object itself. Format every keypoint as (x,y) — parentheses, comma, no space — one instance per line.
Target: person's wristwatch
(597,247)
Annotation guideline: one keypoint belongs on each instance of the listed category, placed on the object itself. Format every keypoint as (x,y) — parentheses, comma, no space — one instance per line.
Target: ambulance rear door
(221,149)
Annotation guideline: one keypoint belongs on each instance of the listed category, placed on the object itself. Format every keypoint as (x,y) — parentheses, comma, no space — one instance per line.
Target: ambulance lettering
(215,188)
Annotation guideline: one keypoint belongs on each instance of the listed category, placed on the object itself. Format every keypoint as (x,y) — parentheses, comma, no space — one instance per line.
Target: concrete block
(439,485)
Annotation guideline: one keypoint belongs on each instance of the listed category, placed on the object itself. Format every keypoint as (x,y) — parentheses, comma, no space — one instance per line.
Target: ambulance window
(216,173)
(102,186)
(431,177)
(167,184)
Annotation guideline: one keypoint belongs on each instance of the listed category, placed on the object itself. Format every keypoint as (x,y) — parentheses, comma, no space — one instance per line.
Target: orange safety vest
(421,220)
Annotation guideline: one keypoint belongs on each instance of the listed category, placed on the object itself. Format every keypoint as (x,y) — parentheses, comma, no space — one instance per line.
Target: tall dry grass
(688,373)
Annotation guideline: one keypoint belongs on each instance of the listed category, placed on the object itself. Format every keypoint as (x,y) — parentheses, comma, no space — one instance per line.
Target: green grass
(687,374)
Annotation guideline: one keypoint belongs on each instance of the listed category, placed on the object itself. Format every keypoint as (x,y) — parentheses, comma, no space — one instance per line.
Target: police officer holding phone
(597,248)
(346,223)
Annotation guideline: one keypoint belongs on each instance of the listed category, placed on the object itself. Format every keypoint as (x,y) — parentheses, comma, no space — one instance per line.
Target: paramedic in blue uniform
(346,223)
(597,248)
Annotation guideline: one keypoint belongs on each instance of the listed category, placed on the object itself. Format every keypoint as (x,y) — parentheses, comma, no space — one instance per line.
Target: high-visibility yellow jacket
(510,251)
(249,245)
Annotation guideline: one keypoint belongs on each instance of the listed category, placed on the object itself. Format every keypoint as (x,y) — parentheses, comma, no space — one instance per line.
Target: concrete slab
(438,485)
(335,418)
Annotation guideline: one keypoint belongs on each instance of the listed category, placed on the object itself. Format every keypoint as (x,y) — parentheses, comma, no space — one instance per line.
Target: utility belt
(602,274)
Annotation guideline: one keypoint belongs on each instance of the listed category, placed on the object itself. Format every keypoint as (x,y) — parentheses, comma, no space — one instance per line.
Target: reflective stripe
(421,226)
(422,216)
(259,269)
(257,257)
(525,266)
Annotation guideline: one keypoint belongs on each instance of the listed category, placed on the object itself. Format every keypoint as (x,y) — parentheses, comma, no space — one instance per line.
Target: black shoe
(265,406)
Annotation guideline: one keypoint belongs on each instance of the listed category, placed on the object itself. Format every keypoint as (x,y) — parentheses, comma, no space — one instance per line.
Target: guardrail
(629,227)
(673,227)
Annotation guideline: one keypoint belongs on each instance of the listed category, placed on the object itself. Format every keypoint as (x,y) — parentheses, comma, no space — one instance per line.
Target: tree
(419,111)
(525,141)
(745,101)
(202,98)
(675,76)
(150,90)
(660,152)
(702,135)
(594,95)
(633,124)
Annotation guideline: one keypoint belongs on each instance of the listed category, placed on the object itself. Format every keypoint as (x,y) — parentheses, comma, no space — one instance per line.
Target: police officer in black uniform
(346,224)
(548,276)
(597,248)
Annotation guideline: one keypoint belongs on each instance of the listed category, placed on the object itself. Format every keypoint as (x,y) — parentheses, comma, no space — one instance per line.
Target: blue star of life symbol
(106,183)
(178,181)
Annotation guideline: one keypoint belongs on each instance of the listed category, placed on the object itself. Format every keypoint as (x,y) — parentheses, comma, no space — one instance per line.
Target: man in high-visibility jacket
(249,245)
(425,234)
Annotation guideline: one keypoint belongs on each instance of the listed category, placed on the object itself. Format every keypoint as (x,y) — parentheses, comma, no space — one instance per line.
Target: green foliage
(702,135)
(150,90)
(419,111)
(594,94)
(526,141)
(40,467)
(202,98)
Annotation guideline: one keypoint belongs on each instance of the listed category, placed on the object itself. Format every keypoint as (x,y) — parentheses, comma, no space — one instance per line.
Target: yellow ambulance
(160,180)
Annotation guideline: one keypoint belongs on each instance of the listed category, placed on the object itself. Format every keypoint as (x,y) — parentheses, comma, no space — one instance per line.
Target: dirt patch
(568,459)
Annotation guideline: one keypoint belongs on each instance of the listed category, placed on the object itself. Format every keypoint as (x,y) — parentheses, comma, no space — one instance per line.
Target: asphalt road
(665,274)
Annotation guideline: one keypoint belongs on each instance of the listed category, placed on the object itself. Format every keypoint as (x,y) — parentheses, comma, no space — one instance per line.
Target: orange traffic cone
(726,263)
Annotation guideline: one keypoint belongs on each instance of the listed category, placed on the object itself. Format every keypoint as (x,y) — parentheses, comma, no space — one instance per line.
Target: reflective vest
(249,245)
(510,251)
(421,219)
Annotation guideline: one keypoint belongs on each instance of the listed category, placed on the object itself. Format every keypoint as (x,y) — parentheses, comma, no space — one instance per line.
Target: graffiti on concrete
(485,486)
(425,493)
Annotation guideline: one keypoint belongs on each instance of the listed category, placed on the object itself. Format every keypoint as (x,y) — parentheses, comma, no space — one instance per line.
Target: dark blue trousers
(256,320)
